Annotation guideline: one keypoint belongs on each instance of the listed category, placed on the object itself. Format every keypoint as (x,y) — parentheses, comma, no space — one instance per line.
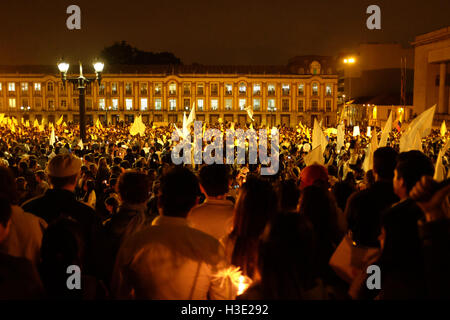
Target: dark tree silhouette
(124,53)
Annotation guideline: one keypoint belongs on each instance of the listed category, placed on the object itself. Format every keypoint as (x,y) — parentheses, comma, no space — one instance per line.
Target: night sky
(208,31)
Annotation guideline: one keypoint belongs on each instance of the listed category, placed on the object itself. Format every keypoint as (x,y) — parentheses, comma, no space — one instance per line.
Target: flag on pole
(249,110)
(314,156)
(443,129)
(340,137)
(385,133)
(36,123)
(356,131)
(80,144)
(52,137)
(418,128)
(60,120)
(439,170)
(191,117)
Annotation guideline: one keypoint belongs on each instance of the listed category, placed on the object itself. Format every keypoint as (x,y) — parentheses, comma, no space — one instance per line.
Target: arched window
(315,89)
(315,67)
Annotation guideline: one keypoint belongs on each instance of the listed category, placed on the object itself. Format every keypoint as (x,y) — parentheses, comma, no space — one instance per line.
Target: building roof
(387,99)
(156,69)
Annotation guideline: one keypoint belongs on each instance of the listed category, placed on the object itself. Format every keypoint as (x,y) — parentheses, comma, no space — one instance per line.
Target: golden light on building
(349,60)
(374,112)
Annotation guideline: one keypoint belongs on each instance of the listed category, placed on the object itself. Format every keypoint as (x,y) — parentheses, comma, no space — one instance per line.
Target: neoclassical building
(304,89)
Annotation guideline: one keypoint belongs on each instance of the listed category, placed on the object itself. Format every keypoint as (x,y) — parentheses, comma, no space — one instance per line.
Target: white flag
(340,136)
(314,156)
(52,137)
(443,129)
(249,110)
(417,129)
(386,130)
(191,118)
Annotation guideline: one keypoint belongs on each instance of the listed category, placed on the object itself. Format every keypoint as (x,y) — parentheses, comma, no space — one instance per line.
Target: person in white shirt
(170,260)
(215,215)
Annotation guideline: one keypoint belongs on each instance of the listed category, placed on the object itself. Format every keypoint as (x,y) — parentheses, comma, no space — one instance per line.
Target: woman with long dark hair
(256,204)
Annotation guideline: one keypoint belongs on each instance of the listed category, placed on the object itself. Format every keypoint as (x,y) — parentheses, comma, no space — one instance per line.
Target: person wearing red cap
(314,174)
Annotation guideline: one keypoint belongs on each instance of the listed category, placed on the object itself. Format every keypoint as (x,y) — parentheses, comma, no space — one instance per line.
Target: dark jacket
(435,237)
(402,261)
(57,203)
(363,212)
(19,279)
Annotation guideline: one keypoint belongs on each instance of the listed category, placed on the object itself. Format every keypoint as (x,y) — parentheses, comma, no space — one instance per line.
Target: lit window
(314,105)
(144,104)
(24,86)
(129,104)
(172,104)
(186,89)
(114,88)
(271,105)
(63,103)
(200,89)
(257,89)
(101,104)
(11,86)
(101,89)
(228,104)
(374,113)
(228,89)
(158,89)
(285,105)
(315,89)
(158,105)
(286,89)
(242,88)
(200,104)
(115,104)
(214,89)
(300,106)
(37,86)
(50,86)
(301,89)
(173,89)
(12,102)
(242,103)
(143,89)
(214,104)
(0,86)
(128,88)
(271,89)
(187,104)
(257,104)
(51,104)
(328,90)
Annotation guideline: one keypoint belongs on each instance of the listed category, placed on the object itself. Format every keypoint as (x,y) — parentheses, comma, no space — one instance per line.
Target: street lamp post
(81,81)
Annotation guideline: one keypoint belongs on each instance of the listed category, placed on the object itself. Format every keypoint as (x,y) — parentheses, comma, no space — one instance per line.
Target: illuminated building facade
(304,89)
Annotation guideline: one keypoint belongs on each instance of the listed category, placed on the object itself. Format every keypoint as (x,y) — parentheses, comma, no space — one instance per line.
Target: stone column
(442,108)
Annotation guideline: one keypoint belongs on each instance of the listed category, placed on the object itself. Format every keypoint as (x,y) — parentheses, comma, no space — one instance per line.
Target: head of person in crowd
(111,205)
(315,174)
(317,205)
(5,216)
(63,171)
(8,186)
(286,260)
(40,176)
(384,162)
(410,167)
(178,192)
(215,180)
(134,188)
(342,191)
(288,195)
(255,206)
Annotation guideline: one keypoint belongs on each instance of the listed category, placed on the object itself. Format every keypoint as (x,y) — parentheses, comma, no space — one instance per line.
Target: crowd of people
(140,227)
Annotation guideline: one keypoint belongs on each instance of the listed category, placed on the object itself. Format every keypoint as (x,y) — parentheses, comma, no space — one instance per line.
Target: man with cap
(59,201)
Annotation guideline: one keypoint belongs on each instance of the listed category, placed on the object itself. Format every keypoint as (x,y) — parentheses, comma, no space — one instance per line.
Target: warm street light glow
(63,67)
(98,66)
(350,60)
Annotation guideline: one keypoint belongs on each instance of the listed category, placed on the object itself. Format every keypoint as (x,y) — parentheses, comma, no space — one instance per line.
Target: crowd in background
(140,227)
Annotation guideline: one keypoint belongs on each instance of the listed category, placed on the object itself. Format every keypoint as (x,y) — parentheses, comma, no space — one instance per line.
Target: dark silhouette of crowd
(137,226)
